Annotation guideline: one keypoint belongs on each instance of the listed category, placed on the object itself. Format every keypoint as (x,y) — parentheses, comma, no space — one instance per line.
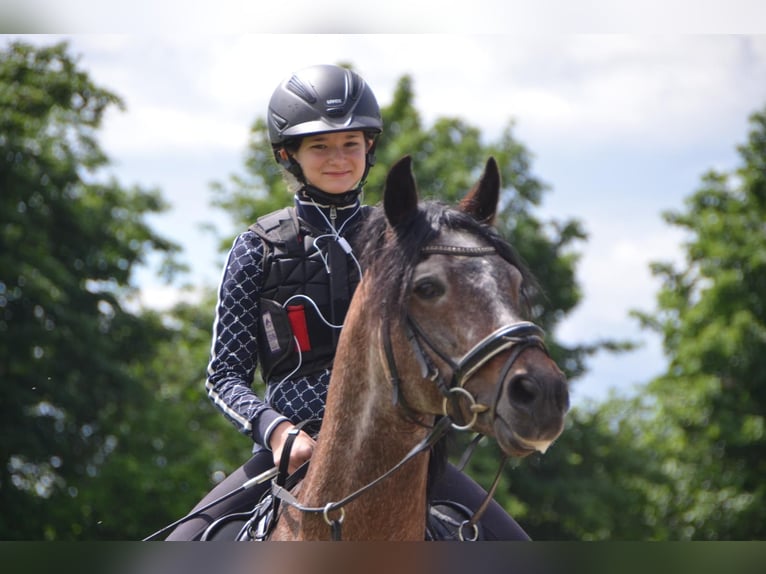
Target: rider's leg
(260,462)
(496,522)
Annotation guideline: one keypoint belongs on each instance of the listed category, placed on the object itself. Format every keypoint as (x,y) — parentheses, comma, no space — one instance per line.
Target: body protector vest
(305,294)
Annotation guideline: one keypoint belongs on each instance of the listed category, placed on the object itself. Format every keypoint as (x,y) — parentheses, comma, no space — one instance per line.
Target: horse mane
(390,255)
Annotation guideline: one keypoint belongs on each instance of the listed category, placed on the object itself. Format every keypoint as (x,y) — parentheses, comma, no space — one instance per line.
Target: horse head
(460,343)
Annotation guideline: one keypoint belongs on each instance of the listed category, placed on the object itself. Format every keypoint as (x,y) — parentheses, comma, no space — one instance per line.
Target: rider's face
(333,162)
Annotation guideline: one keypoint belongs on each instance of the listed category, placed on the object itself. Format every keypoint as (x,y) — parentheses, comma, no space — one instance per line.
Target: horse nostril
(523,391)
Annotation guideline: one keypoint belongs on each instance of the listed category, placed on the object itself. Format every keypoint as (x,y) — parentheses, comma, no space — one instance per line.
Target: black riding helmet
(321,99)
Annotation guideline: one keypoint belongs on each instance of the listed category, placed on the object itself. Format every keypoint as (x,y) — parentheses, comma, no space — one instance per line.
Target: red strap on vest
(297,316)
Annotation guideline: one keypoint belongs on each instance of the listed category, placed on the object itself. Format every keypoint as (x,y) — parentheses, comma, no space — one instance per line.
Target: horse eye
(428,289)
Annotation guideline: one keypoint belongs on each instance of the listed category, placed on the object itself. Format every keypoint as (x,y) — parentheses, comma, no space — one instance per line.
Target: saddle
(448,520)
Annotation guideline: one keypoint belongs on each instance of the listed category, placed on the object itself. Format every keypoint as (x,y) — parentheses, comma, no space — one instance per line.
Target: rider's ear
(481,201)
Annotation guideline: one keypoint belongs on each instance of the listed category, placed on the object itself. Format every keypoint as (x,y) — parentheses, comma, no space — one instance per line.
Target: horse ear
(400,195)
(481,201)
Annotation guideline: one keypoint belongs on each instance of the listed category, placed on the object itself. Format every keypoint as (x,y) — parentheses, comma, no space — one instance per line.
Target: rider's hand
(303,446)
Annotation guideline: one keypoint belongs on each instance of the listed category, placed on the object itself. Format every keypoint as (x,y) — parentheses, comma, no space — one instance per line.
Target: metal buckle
(326,514)
(474,407)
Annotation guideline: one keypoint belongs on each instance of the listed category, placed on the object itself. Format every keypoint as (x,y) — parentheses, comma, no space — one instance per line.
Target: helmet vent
(301,90)
(354,85)
(279,121)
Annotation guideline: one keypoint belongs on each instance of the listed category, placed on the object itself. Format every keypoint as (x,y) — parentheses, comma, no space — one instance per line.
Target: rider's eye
(428,289)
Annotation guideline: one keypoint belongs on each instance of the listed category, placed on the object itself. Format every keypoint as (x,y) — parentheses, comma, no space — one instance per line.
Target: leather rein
(517,337)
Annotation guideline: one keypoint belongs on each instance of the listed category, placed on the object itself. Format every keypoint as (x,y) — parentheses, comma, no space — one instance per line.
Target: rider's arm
(234,356)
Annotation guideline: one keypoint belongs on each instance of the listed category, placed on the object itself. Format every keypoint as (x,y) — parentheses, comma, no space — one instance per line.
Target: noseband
(517,336)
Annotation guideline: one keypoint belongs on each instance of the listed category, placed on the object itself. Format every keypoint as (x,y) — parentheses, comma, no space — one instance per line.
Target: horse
(435,336)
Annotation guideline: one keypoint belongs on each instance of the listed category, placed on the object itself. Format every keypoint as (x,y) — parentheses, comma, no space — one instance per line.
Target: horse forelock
(390,256)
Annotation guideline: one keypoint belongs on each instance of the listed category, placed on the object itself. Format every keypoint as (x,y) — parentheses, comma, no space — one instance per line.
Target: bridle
(517,337)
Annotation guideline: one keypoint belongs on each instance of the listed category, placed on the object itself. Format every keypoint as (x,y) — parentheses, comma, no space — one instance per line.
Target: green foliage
(592,484)
(174,445)
(712,316)
(70,352)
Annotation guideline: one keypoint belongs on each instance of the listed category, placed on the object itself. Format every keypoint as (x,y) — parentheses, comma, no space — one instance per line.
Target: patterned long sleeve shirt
(234,354)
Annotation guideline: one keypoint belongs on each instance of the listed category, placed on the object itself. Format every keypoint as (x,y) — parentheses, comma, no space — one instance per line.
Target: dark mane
(391,256)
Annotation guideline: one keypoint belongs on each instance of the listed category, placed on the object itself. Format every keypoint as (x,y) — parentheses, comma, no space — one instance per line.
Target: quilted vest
(300,296)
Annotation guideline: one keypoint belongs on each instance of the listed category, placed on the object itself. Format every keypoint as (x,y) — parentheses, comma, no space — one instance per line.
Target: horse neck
(364,435)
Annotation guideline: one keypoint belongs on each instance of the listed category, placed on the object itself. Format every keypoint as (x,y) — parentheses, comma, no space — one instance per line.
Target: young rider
(286,286)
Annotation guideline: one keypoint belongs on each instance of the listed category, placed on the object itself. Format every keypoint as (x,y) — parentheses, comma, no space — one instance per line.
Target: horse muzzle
(531,402)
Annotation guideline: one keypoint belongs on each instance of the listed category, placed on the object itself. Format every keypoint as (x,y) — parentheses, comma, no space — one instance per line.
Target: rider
(286,286)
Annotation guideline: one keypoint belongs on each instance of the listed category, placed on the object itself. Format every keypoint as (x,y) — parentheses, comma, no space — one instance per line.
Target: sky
(621,127)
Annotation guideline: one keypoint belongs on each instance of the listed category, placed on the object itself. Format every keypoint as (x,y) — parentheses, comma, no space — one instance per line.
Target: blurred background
(634,186)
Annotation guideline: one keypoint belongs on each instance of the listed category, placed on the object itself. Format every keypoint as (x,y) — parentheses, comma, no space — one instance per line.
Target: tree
(711,314)
(174,447)
(71,354)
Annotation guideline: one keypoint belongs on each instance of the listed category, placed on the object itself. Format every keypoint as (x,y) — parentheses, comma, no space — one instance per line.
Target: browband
(457,250)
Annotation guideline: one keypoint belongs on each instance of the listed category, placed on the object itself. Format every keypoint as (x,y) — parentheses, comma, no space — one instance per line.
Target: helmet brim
(318,127)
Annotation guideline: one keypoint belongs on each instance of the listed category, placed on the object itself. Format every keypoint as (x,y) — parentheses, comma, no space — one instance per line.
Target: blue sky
(621,127)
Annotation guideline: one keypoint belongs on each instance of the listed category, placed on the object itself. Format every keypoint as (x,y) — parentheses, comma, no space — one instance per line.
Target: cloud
(645,91)
(162,297)
(185,92)
(615,276)
(152,129)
